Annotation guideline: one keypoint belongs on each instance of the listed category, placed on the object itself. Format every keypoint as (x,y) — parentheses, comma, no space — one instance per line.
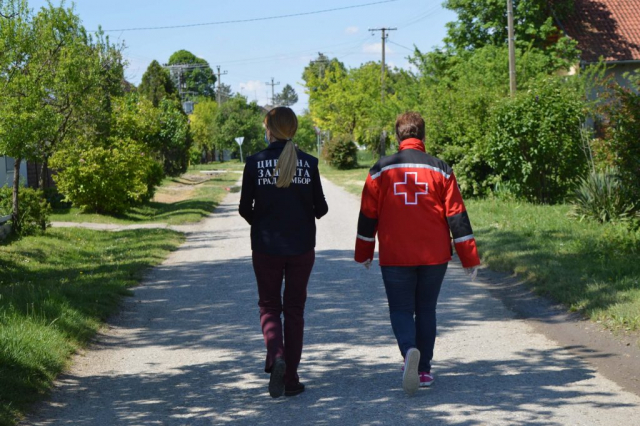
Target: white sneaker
(410,377)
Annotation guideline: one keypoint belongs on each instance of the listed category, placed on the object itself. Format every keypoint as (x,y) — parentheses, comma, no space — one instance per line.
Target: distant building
(609,29)
(7,165)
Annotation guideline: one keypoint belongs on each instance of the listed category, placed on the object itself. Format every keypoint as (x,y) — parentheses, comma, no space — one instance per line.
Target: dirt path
(187,350)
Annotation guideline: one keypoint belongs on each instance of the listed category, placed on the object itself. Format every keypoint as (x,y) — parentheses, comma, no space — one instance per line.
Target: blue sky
(254,52)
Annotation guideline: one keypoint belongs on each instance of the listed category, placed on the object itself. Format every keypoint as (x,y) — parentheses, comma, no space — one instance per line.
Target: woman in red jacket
(411,200)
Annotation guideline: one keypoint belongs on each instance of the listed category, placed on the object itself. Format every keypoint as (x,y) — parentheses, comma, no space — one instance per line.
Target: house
(7,165)
(608,29)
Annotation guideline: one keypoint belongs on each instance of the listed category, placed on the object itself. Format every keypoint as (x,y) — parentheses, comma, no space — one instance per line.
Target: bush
(106,179)
(620,147)
(34,209)
(536,141)
(195,155)
(341,152)
(601,196)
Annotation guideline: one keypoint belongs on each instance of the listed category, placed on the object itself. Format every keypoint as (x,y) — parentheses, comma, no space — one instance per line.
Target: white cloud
(376,48)
(391,65)
(352,30)
(255,90)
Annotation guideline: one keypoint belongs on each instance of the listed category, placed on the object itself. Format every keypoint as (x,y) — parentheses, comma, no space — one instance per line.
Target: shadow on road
(352,376)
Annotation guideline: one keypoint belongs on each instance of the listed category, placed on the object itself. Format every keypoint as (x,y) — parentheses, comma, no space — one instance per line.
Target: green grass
(201,202)
(590,268)
(351,180)
(56,289)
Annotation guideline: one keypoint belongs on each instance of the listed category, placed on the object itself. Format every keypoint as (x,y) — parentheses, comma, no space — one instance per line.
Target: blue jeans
(414,290)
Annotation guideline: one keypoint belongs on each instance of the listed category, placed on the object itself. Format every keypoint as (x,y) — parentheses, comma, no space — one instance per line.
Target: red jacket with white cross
(411,200)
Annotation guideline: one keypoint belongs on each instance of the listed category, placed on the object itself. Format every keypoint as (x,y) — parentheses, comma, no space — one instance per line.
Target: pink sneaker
(426,379)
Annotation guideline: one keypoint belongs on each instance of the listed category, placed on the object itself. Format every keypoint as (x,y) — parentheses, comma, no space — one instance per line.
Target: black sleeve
(247,195)
(320,206)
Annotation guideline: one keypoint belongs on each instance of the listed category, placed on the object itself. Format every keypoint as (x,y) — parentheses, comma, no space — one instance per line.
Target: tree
(483,22)
(287,97)
(225,92)
(237,118)
(306,137)
(157,85)
(199,81)
(55,79)
(203,126)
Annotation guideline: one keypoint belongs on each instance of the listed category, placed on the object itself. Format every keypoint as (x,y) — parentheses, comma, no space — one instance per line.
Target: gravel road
(187,350)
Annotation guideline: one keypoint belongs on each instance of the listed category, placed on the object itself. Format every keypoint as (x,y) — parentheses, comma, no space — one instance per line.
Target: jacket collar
(412,143)
(277,145)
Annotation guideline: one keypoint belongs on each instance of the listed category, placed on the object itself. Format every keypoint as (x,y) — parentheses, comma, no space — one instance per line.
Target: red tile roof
(608,28)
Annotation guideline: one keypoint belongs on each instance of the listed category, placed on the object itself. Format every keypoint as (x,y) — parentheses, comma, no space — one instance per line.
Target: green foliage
(105,178)
(201,81)
(57,81)
(157,85)
(237,118)
(601,196)
(341,152)
(590,267)
(536,141)
(288,97)
(484,22)
(174,139)
(34,209)
(306,137)
(619,146)
(56,289)
(203,126)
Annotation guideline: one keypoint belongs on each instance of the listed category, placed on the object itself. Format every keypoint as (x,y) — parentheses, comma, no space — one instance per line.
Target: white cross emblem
(410,188)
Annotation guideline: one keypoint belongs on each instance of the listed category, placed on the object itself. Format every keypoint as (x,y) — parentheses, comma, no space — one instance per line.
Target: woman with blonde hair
(281,199)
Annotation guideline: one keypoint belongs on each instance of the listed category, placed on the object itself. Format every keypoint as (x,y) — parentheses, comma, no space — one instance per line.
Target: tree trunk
(16,189)
(43,179)
(383,144)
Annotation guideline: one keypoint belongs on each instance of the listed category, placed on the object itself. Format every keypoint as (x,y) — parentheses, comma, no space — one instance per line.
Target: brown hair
(282,124)
(409,125)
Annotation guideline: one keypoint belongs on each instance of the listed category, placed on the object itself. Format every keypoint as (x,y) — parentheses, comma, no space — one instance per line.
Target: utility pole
(385,35)
(512,49)
(220,74)
(179,75)
(273,84)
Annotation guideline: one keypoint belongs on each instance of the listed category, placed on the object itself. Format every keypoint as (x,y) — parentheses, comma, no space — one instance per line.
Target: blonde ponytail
(287,165)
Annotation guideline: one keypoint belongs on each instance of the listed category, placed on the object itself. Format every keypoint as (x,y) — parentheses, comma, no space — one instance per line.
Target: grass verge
(56,289)
(179,200)
(588,267)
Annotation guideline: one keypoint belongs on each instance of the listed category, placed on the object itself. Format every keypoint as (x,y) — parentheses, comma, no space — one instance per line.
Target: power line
(399,45)
(266,18)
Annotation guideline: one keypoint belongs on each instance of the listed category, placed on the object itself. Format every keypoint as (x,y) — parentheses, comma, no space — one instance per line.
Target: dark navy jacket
(282,219)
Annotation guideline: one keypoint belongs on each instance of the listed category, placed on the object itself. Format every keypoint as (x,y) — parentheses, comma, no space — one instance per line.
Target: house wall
(6,172)
(618,71)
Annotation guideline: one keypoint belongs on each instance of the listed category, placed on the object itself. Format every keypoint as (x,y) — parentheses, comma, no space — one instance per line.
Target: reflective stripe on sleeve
(463,239)
(370,240)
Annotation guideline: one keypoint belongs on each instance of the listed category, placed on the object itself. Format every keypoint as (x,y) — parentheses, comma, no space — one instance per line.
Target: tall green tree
(200,80)
(236,118)
(203,126)
(54,79)
(223,92)
(288,97)
(157,85)
(484,22)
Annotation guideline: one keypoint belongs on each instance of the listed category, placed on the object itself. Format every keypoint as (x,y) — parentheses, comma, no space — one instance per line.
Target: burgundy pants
(270,270)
